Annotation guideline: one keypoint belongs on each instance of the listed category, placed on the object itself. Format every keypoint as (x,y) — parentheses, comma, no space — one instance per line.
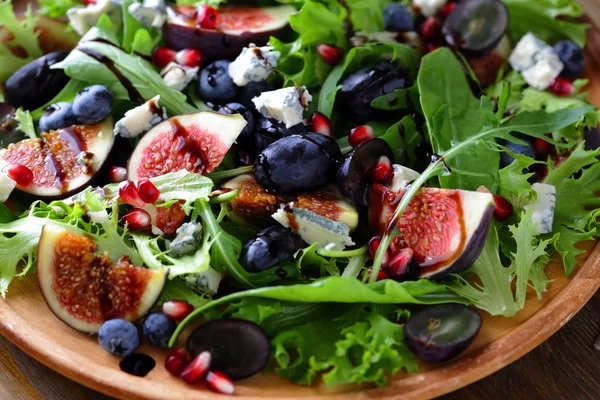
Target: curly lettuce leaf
(550,20)
(25,123)
(57,8)
(317,22)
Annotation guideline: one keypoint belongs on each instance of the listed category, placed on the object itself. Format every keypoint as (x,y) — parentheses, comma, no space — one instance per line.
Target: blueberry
(158,328)
(237,108)
(93,104)
(527,150)
(269,247)
(572,57)
(252,90)
(215,84)
(57,116)
(398,18)
(119,337)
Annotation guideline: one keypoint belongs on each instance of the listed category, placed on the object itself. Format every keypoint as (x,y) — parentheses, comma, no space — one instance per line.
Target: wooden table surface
(564,367)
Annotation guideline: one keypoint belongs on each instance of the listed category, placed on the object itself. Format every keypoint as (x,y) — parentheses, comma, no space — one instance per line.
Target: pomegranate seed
(431,29)
(400,263)
(373,246)
(447,9)
(322,124)
(117,174)
(190,57)
(383,171)
(562,87)
(360,134)
(332,55)
(220,383)
(20,174)
(89,2)
(206,17)
(503,208)
(162,56)
(147,191)
(137,219)
(128,192)
(176,361)
(197,368)
(177,309)
(381,275)
(541,146)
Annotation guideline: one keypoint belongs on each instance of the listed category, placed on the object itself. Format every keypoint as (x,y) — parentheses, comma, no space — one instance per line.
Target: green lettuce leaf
(25,123)
(317,22)
(367,15)
(57,8)
(550,20)
(176,289)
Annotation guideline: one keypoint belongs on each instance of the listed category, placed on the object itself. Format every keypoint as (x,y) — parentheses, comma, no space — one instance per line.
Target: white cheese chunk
(254,64)
(150,13)
(537,62)
(99,217)
(188,239)
(543,207)
(313,228)
(140,119)
(7,186)
(402,177)
(177,77)
(430,7)
(205,282)
(82,19)
(286,105)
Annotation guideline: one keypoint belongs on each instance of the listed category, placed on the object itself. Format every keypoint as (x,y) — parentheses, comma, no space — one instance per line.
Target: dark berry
(215,84)
(269,131)
(119,337)
(572,57)
(57,116)
(92,104)
(398,18)
(269,247)
(158,328)
(527,150)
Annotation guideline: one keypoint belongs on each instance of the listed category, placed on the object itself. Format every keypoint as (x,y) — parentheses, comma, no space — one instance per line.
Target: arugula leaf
(138,72)
(316,22)
(57,8)
(16,34)
(25,123)
(130,26)
(360,57)
(66,94)
(367,15)
(550,20)
(444,86)
(143,43)
(340,290)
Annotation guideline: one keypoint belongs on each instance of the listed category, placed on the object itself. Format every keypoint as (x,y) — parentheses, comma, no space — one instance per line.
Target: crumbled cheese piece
(543,207)
(99,217)
(286,105)
(402,177)
(188,239)
(177,77)
(140,119)
(206,282)
(150,13)
(429,7)
(82,19)
(254,64)
(7,185)
(536,61)
(313,228)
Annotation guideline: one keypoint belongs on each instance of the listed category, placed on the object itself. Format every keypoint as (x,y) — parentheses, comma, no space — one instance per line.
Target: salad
(320,189)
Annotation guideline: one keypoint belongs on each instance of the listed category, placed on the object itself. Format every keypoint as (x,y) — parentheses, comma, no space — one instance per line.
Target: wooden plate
(27,322)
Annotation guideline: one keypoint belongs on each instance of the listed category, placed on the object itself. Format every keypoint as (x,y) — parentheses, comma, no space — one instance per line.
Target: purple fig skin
(472,249)
(432,353)
(215,44)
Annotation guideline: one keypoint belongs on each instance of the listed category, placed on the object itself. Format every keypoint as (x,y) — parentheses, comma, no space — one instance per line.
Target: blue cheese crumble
(254,64)
(140,119)
(543,207)
(286,105)
(313,228)
(188,239)
(536,61)
(206,282)
(82,19)
(177,77)
(150,13)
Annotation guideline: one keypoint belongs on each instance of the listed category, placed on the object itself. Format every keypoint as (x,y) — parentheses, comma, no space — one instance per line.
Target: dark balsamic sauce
(137,364)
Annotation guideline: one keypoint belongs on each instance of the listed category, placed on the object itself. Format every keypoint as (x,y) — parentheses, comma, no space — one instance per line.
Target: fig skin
(52,234)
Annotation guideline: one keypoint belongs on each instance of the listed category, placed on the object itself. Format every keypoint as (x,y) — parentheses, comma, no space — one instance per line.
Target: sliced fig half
(63,161)
(236,28)
(195,142)
(84,288)
(445,228)
(254,205)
